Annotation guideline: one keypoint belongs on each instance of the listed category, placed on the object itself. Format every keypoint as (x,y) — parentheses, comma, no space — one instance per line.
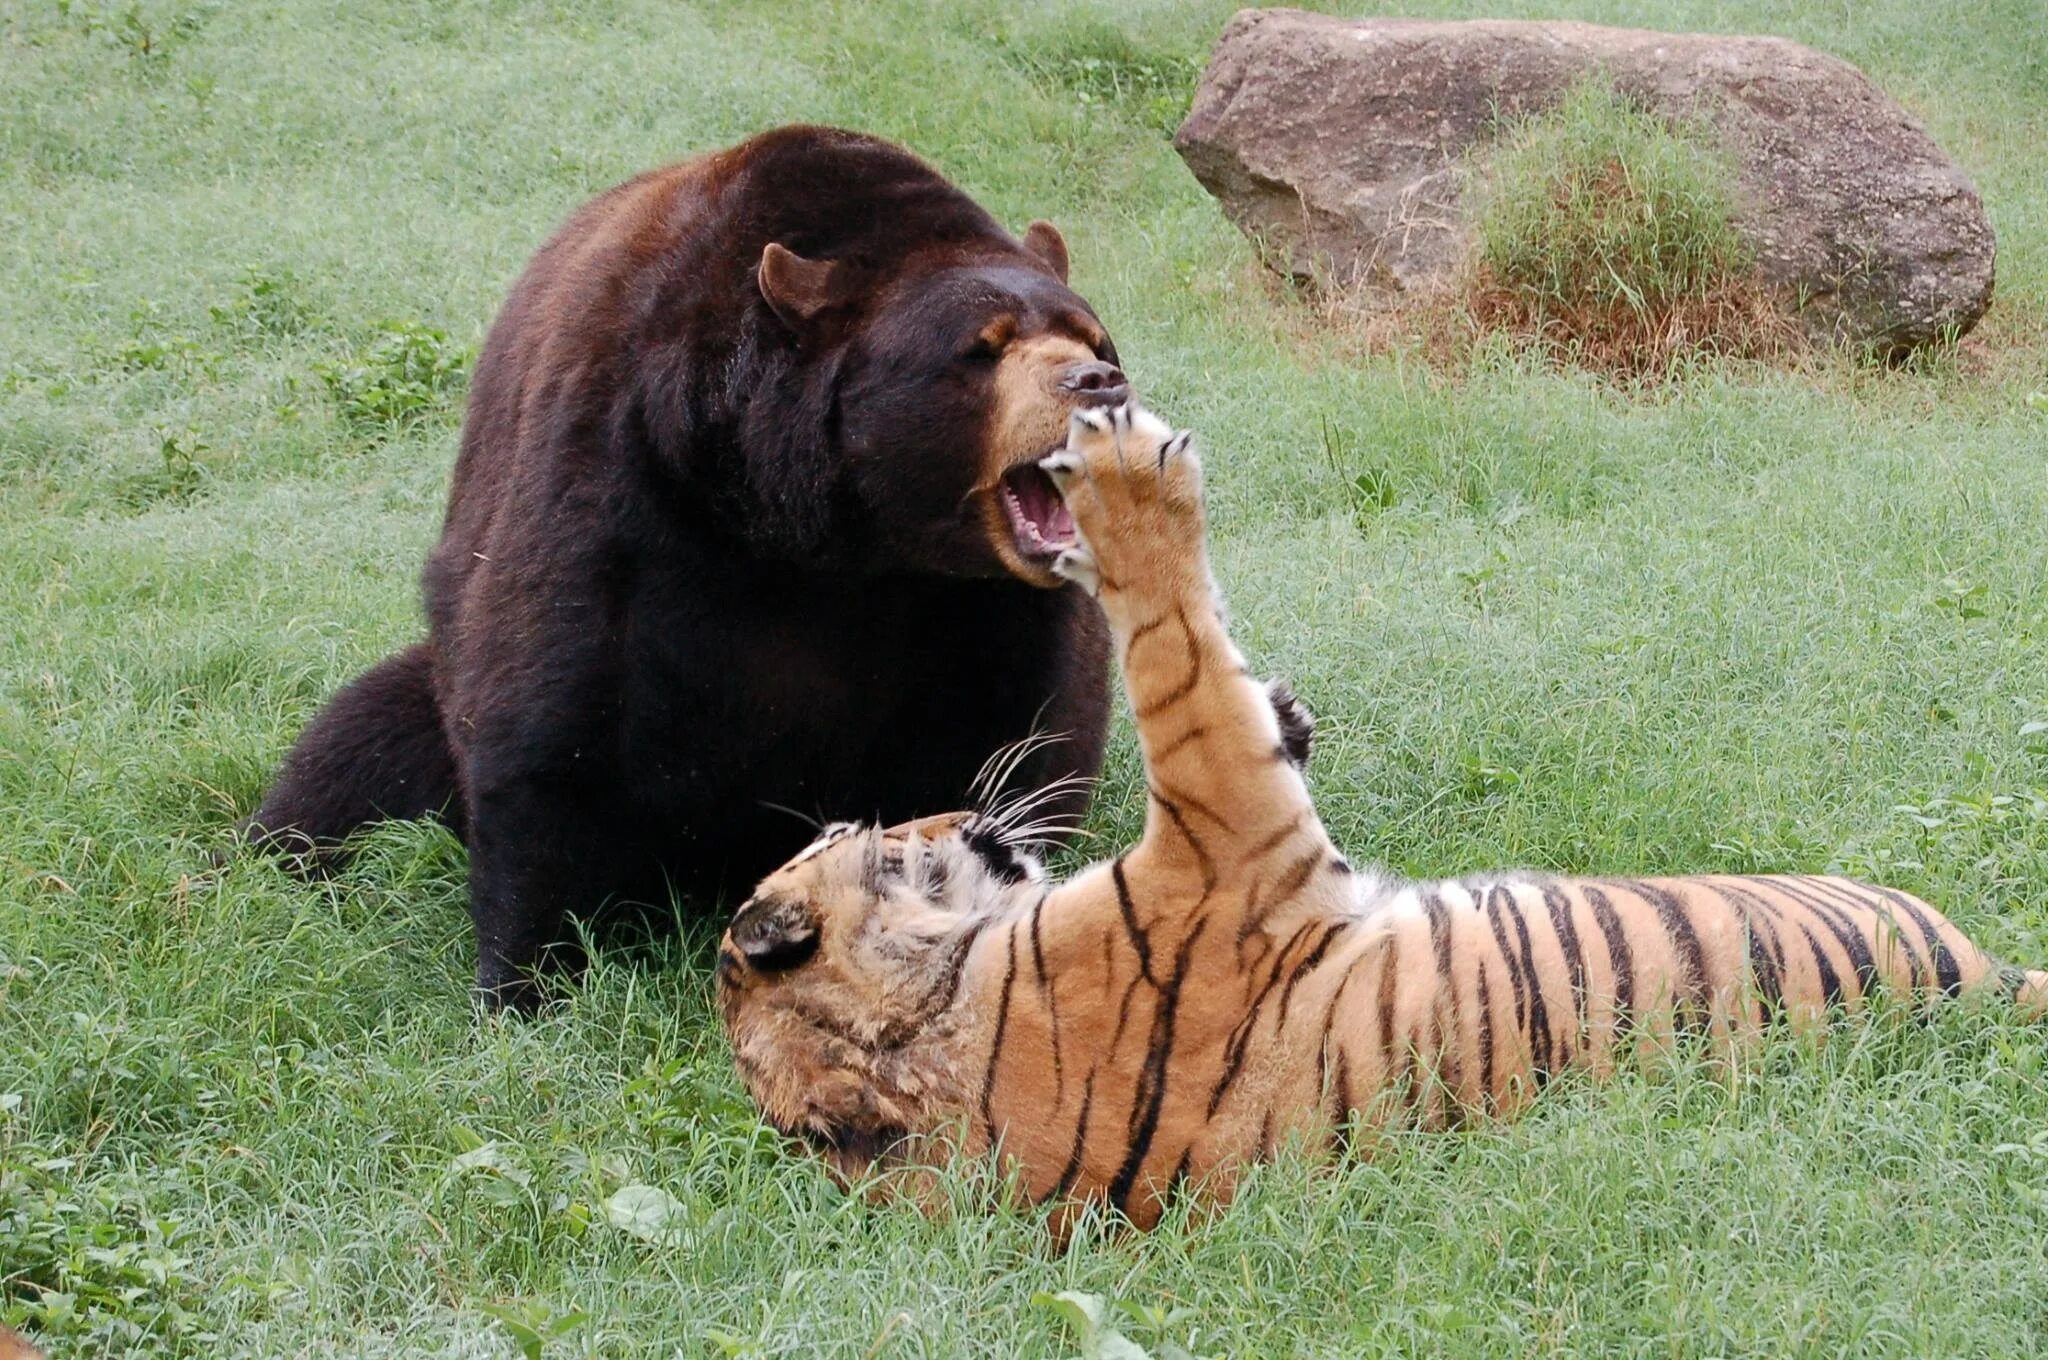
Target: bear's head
(912,362)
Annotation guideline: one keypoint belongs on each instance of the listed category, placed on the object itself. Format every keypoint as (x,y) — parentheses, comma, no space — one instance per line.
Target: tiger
(13,1346)
(1232,984)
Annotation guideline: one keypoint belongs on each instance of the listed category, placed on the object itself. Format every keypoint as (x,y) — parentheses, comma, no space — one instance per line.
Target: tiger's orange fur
(14,1347)
(1231,981)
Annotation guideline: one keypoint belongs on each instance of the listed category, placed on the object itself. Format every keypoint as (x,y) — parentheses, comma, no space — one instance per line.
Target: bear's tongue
(1038,517)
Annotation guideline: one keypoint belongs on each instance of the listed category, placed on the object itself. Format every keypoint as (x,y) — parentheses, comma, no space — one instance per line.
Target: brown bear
(746,519)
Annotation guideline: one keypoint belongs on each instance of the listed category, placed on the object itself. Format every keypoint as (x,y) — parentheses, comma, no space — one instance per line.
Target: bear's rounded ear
(775,933)
(1043,239)
(797,288)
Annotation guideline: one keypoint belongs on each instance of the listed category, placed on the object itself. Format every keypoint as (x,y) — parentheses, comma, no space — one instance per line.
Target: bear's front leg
(1227,805)
(537,854)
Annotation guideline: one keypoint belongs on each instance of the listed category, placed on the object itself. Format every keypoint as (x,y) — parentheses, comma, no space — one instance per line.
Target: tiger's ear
(1043,239)
(775,934)
(798,289)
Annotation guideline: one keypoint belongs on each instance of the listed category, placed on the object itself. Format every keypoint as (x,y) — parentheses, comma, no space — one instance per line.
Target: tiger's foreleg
(1228,814)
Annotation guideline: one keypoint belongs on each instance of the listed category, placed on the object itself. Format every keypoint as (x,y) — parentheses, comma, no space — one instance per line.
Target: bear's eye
(991,340)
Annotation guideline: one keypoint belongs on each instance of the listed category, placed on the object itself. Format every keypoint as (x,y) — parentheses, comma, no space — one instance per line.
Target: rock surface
(1341,147)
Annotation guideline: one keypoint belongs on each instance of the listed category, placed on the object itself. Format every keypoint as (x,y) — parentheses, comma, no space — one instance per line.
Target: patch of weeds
(149,350)
(1369,493)
(267,305)
(1998,831)
(1607,237)
(149,34)
(175,354)
(1480,582)
(408,373)
(1101,68)
(500,1198)
(36,375)
(532,1323)
(1098,1326)
(181,473)
(1964,599)
(94,1266)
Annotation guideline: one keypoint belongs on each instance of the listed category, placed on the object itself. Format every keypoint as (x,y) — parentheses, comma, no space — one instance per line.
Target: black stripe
(1206,865)
(1567,933)
(1298,874)
(1139,941)
(1766,956)
(1186,686)
(1439,934)
(1174,747)
(1485,1037)
(1052,1005)
(1308,962)
(1274,839)
(1450,1063)
(956,966)
(1830,983)
(1073,1166)
(1948,973)
(995,1048)
(1761,938)
(1123,1012)
(1248,926)
(1343,984)
(1388,982)
(1143,631)
(1151,1093)
(1179,1177)
(1770,988)
(1038,947)
(1342,1092)
(1289,883)
(1694,1006)
(1511,963)
(1182,798)
(1865,899)
(1845,931)
(1760,911)
(1430,1055)
(1239,1041)
(1346,1111)
(1620,958)
(1540,1038)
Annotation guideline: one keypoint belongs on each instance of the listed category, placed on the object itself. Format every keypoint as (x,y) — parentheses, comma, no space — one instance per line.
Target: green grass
(1740,621)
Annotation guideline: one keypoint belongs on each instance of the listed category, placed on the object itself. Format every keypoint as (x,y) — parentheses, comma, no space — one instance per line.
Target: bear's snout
(1096,383)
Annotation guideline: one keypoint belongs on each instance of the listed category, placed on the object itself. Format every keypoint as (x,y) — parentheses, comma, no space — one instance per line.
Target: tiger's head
(841,978)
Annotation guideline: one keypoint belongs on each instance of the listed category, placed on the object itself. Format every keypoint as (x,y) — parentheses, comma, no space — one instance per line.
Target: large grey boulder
(1342,147)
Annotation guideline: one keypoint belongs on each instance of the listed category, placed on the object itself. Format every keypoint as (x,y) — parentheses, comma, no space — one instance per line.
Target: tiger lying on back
(1231,981)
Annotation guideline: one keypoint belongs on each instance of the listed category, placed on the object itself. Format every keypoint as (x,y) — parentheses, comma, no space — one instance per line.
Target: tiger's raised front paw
(1134,489)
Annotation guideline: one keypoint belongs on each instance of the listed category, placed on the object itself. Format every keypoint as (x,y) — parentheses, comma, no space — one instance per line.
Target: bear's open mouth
(1039,519)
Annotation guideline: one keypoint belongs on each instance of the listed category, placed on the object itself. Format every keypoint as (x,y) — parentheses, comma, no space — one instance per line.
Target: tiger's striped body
(1231,981)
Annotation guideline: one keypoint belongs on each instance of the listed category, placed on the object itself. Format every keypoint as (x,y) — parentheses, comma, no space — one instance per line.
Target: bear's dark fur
(742,522)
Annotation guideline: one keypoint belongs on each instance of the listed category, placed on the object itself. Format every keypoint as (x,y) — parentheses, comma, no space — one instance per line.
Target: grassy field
(1746,621)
